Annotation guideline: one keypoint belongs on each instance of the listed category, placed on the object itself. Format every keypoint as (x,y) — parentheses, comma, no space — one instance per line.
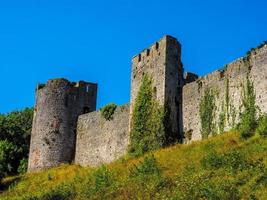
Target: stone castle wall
(255,67)
(58,105)
(102,141)
(62,132)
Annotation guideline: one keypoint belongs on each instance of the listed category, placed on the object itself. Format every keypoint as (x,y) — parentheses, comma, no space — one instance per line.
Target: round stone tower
(57,107)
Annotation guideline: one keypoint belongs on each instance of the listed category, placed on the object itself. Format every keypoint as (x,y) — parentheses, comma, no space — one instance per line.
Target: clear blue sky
(95,40)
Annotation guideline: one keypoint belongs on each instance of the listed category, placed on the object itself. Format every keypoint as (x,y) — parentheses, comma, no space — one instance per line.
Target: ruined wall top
(59,82)
(155,47)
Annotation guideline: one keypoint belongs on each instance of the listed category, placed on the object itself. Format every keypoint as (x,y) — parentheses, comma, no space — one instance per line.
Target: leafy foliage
(147,128)
(232,160)
(15,129)
(248,116)
(103,178)
(148,166)
(7,157)
(108,111)
(206,110)
(222,120)
(262,126)
(148,175)
(23,166)
(227,97)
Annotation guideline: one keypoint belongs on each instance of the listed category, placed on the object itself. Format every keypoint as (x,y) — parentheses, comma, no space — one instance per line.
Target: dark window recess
(157,45)
(86,110)
(139,57)
(222,74)
(87,88)
(155,92)
(147,52)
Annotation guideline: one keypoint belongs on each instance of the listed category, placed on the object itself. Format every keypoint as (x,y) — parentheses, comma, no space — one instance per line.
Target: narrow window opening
(139,57)
(147,52)
(157,45)
(155,92)
(87,88)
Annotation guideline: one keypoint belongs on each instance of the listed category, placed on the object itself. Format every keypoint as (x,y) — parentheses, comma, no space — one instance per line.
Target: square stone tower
(162,61)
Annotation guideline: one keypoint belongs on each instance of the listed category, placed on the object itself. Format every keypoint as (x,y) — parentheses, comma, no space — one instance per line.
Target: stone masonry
(254,67)
(162,61)
(66,127)
(102,141)
(58,105)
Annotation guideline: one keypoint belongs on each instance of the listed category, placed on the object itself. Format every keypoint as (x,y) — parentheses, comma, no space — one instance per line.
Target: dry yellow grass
(174,162)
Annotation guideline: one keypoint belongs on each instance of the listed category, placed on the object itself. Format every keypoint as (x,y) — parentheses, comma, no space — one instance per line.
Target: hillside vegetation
(221,167)
(15,133)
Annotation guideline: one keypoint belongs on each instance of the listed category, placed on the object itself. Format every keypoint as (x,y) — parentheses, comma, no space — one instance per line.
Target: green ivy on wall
(207,111)
(227,98)
(222,119)
(108,111)
(147,125)
(248,116)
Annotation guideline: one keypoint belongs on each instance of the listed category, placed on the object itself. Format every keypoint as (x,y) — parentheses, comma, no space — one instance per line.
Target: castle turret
(162,61)
(58,105)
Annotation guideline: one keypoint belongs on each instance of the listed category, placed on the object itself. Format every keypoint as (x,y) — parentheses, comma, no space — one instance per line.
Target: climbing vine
(147,124)
(222,119)
(206,110)
(227,98)
(233,116)
(249,110)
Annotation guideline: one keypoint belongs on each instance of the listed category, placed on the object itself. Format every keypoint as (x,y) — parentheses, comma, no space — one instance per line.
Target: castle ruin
(67,128)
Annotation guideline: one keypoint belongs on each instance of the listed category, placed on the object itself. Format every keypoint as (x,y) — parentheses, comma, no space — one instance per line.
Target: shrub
(147,126)
(98,183)
(262,126)
(212,161)
(205,185)
(15,128)
(108,111)
(233,160)
(23,166)
(61,192)
(148,176)
(103,178)
(147,167)
(7,157)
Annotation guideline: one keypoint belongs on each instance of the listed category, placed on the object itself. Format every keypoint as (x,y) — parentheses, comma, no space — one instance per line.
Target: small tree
(15,129)
(7,157)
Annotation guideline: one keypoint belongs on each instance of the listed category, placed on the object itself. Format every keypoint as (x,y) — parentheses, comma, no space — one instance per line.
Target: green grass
(221,167)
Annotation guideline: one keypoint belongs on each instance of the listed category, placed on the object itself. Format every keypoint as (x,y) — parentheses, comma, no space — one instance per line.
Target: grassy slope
(222,167)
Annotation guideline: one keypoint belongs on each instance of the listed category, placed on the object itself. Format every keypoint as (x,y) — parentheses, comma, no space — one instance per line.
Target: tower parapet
(57,107)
